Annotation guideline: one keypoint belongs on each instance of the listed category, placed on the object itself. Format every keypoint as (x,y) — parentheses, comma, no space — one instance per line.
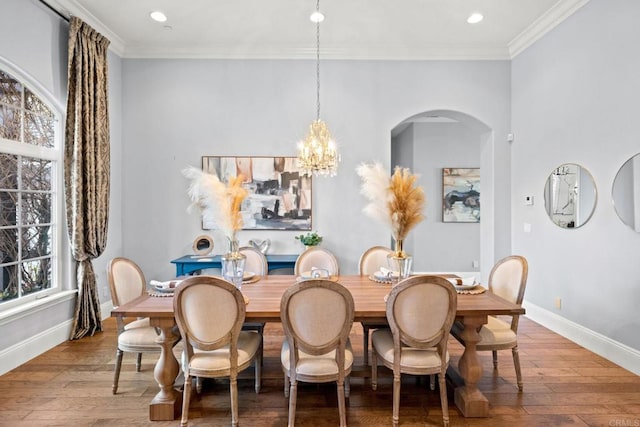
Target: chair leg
(258,370)
(432,382)
(233,388)
(116,374)
(374,370)
(347,386)
(186,396)
(138,362)
(443,399)
(342,409)
(396,399)
(516,363)
(293,396)
(495,359)
(199,381)
(365,344)
(286,383)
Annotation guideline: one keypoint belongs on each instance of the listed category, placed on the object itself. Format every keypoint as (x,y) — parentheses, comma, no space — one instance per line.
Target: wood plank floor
(564,385)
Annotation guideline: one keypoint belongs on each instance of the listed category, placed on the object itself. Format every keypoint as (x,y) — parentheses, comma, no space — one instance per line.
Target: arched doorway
(426,143)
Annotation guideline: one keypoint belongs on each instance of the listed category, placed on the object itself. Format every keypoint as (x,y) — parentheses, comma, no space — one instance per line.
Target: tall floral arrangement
(396,201)
(219,202)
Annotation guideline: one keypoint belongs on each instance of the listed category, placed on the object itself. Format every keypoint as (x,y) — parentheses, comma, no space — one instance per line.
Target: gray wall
(444,246)
(175,111)
(34,41)
(575,99)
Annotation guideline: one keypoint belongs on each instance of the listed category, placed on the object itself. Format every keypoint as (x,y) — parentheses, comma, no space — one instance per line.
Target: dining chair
(508,280)
(420,311)
(127,282)
(317,316)
(370,262)
(317,257)
(256,263)
(210,312)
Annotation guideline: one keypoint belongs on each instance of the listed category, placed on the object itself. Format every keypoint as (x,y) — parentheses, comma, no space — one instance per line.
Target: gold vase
(399,261)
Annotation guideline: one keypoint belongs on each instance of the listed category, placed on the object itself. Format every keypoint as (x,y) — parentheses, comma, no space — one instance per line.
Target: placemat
(374,279)
(332,278)
(254,279)
(473,291)
(154,293)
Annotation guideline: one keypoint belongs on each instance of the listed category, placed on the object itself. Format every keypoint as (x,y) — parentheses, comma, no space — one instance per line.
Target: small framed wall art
(461,195)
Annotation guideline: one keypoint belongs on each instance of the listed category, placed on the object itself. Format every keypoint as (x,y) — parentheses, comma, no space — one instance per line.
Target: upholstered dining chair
(127,282)
(420,311)
(210,312)
(256,263)
(317,257)
(508,280)
(317,316)
(370,262)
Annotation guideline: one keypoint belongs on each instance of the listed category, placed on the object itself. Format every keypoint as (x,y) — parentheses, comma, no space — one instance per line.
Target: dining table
(263,305)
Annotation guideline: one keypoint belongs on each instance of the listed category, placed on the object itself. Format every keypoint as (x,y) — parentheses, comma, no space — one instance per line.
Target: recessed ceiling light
(158,16)
(474,18)
(316,16)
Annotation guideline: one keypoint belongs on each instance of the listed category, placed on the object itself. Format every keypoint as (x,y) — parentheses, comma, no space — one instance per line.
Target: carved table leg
(468,398)
(167,403)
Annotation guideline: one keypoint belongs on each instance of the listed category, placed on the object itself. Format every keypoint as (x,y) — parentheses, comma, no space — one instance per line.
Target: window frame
(60,261)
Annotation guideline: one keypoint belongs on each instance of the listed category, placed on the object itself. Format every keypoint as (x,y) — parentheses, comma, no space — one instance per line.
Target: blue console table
(191,263)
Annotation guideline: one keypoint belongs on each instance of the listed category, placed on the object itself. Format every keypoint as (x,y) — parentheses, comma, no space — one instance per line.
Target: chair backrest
(319,258)
(421,311)
(372,259)
(317,316)
(209,312)
(256,261)
(126,280)
(508,278)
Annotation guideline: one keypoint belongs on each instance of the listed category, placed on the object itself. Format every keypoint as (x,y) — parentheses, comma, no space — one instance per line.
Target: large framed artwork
(279,194)
(461,195)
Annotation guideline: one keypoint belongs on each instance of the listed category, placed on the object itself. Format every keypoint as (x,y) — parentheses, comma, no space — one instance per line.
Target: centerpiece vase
(233,264)
(400,261)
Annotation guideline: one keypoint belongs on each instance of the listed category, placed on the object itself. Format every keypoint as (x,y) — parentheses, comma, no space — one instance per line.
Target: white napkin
(466,281)
(169,284)
(385,272)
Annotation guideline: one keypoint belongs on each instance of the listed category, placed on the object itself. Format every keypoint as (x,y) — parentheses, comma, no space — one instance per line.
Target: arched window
(30,161)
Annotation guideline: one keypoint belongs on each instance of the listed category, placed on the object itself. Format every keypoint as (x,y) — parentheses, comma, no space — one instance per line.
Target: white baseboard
(618,353)
(26,350)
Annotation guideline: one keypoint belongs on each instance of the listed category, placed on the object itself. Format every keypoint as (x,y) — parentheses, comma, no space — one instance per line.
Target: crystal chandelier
(317,152)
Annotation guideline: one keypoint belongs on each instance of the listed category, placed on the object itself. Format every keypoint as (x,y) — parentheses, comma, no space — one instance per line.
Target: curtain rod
(54,10)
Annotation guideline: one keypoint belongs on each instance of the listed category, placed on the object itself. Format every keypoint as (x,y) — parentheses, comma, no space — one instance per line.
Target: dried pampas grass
(218,202)
(396,202)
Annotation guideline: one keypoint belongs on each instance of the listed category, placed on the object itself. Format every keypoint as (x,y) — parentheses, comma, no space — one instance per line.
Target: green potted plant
(312,238)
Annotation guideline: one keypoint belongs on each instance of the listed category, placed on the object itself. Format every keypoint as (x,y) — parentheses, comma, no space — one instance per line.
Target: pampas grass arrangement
(395,201)
(219,202)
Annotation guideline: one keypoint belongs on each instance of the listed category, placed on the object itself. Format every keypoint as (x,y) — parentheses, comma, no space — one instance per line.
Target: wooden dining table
(369,299)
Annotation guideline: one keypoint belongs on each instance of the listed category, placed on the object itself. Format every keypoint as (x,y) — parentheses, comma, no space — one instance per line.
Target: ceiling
(353,29)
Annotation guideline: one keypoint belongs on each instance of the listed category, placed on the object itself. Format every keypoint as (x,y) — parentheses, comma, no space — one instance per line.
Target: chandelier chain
(318,63)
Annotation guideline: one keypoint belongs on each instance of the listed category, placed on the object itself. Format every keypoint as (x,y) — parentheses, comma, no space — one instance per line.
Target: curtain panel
(86,166)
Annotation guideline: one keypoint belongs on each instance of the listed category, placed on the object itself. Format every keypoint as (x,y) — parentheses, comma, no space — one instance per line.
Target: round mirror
(626,199)
(203,245)
(570,196)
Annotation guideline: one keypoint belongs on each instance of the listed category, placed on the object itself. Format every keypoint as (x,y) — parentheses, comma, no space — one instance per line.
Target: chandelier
(317,152)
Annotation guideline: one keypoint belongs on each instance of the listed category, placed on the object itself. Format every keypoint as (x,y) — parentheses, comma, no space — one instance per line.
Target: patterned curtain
(86,166)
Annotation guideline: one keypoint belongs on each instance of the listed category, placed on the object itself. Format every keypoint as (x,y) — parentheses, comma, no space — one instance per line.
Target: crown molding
(73,8)
(351,52)
(545,23)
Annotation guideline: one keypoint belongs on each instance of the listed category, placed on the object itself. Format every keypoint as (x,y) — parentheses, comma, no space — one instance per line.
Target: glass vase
(399,262)
(233,264)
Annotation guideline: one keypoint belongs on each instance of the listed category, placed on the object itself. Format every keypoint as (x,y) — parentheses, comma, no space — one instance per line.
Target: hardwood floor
(564,384)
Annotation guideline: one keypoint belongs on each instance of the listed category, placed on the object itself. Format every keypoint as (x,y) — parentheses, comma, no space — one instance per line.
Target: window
(29,163)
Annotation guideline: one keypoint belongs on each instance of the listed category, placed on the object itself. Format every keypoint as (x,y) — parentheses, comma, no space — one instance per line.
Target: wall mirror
(570,196)
(626,192)
(203,245)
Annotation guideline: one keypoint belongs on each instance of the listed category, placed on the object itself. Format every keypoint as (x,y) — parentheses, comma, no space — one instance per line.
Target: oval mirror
(203,245)
(570,196)
(626,199)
